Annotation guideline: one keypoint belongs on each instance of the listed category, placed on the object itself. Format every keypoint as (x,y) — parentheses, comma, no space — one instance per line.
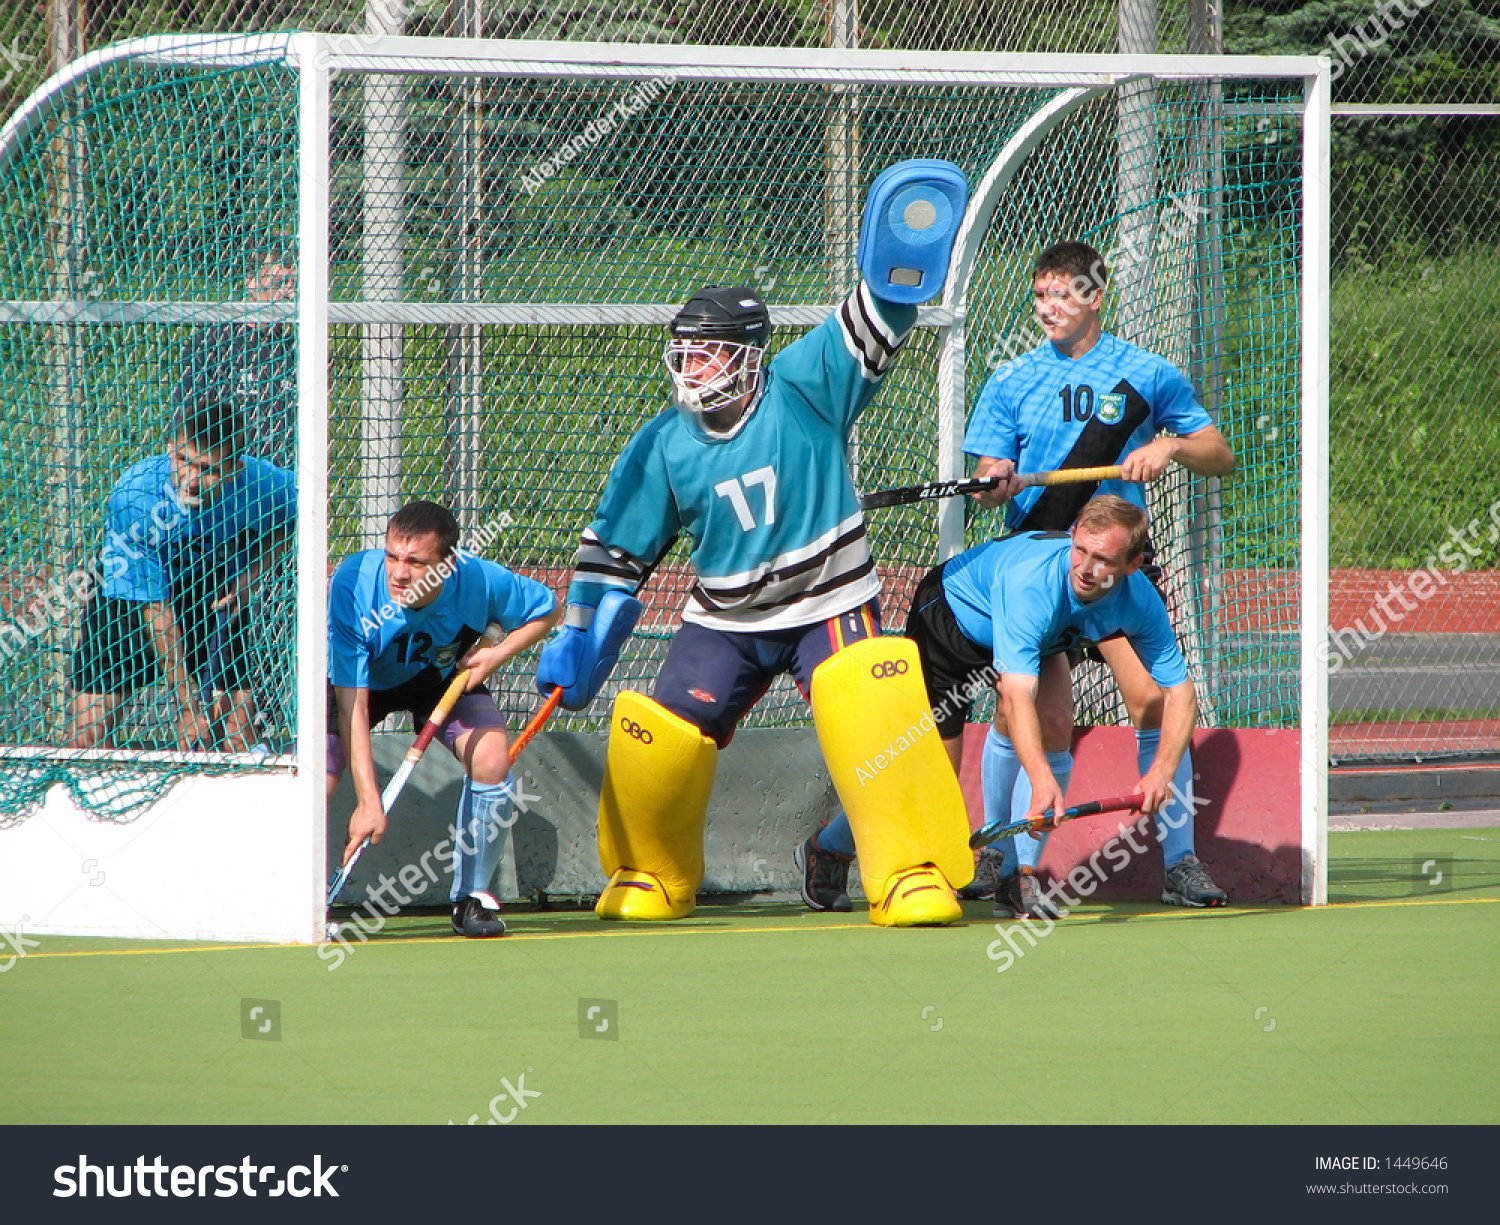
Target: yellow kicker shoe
(916,897)
(638,897)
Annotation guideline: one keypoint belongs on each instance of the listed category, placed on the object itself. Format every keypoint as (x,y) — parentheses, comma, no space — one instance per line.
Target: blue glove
(579,661)
(911,220)
(560,663)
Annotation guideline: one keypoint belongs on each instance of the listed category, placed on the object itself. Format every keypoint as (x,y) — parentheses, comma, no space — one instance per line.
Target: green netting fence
(499,274)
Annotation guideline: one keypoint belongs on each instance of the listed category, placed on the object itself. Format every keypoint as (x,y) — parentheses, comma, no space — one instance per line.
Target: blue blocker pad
(580,661)
(911,218)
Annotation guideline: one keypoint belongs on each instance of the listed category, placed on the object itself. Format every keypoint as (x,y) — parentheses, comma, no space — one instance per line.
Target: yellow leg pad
(658,775)
(895,781)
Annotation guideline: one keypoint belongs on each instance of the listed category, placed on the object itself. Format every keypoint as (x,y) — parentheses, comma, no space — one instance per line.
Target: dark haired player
(1081,399)
(752,464)
(187,533)
(401,620)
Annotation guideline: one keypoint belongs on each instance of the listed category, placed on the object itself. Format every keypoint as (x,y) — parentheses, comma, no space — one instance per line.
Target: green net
(708,182)
(148,364)
(1203,251)
(503,253)
(511,199)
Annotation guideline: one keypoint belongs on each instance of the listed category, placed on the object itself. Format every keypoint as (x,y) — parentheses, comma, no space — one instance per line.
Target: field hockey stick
(908,494)
(440,712)
(492,634)
(208,682)
(532,728)
(209,688)
(554,699)
(993,833)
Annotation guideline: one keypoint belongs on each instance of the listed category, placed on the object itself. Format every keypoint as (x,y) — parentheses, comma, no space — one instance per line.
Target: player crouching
(1006,613)
(401,621)
(752,464)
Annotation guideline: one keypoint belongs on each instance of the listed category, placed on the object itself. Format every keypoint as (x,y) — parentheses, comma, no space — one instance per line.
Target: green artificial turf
(1385,1008)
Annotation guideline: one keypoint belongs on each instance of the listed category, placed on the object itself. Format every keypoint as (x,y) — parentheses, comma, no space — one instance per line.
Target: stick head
(997,830)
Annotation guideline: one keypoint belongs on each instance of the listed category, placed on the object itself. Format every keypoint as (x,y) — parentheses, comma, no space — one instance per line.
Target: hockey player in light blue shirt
(1005,614)
(187,534)
(1085,398)
(401,621)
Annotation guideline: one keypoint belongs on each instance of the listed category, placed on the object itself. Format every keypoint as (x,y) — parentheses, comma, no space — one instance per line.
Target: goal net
(440,269)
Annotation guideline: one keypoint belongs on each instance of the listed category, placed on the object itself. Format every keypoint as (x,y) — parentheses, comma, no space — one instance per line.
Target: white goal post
(488,235)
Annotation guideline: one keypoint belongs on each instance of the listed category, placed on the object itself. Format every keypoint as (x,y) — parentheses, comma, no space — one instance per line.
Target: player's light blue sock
(999,767)
(1023,850)
(836,836)
(483,817)
(1174,819)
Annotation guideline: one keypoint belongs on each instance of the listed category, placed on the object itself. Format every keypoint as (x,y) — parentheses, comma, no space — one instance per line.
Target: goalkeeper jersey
(778,537)
(374,642)
(1046,410)
(1013,596)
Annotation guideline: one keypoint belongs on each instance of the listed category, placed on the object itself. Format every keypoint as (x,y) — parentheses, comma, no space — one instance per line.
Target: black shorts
(473,711)
(417,698)
(956,668)
(116,655)
(712,677)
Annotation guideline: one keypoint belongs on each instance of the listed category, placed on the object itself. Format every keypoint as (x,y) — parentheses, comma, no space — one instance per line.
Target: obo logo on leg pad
(889,667)
(635,731)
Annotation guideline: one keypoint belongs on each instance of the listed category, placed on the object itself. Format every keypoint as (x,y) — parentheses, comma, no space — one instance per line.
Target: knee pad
(894,779)
(658,775)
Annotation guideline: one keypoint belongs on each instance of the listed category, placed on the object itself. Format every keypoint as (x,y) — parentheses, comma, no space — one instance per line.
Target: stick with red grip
(993,833)
(492,634)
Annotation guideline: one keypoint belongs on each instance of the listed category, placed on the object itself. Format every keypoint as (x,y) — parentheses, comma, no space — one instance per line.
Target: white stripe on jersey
(790,558)
(606,568)
(867,336)
(800,587)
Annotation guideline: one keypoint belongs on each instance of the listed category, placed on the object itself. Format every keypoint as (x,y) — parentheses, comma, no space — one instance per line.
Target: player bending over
(1019,605)
(401,620)
(1084,398)
(187,534)
(751,463)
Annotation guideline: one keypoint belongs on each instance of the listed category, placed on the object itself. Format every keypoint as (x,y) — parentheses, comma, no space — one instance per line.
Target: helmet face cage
(708,375)
(715,354)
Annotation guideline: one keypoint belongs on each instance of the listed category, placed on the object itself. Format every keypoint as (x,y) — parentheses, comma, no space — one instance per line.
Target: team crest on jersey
(443,659)
(1111,407)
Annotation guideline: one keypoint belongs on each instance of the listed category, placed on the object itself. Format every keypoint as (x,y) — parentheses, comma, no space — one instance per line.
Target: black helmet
(734,314)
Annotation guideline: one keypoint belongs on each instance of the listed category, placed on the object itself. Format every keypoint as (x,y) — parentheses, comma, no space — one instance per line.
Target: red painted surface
(1458,603)
(1249,833)
(1454,603)
(1408,739)
(1378,601)
(1256,600)
(667,592)
(1262,599)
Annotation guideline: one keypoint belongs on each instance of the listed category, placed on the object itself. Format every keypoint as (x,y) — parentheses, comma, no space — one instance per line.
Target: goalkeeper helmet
(715,354)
